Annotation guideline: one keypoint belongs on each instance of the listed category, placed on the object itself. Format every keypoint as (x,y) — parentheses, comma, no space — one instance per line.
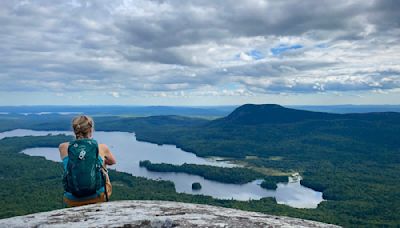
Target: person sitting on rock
(85,176)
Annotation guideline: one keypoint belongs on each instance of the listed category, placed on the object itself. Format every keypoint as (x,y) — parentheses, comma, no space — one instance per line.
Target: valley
(351,158)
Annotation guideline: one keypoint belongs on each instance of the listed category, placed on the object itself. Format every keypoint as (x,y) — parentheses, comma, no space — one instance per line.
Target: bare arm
(63,148)
(108,156)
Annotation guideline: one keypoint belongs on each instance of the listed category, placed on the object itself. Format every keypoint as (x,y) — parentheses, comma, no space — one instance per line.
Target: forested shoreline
(234,175)
(352,160)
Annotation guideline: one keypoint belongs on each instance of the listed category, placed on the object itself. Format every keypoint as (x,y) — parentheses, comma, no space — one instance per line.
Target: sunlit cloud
(191,48)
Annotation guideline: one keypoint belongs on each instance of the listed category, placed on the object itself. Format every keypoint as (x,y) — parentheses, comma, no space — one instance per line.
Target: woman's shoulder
(105,152)
(103,147)
(63,146)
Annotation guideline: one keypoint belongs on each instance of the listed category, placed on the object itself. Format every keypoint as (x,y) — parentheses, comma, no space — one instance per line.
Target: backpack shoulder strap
(102,170)
(71,144)
(94,143)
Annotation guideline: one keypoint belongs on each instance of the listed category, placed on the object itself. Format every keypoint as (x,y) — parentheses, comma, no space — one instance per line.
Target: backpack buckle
(82,154)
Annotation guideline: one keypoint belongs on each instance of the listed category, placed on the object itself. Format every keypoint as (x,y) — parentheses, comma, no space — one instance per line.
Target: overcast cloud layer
(204,48)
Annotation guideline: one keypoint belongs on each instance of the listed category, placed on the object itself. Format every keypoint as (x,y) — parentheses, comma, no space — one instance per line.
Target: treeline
(272,181)
(355,162)
(31,184)
(233,175)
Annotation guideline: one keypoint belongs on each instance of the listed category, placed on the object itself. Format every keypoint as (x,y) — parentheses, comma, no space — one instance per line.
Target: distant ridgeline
(352,158)
(211,111)
(250,114)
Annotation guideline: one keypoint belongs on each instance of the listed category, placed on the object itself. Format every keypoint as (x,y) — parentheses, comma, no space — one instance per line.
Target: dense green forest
(234,175)
(33,184)
(352,158)
(271,182)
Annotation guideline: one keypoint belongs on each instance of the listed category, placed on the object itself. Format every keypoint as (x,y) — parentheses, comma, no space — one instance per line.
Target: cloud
(114,94)
(245,57)
(197,47)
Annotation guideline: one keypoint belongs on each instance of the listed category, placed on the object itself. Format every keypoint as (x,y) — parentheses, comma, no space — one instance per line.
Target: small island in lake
(196,186)
(270,183)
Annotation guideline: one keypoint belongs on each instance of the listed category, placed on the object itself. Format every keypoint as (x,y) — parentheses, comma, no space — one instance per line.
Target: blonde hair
(83,126)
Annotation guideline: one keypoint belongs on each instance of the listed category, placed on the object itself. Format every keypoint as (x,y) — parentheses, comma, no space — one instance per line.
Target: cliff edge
(154,214)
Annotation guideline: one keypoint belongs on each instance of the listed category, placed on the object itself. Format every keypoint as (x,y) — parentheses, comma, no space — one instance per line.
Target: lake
(128,152)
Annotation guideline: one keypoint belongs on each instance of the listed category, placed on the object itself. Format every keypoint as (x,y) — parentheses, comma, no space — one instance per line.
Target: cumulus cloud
(114,94)
(197,47)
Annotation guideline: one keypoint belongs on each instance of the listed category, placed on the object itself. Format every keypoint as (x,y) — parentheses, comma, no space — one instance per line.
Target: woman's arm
(108,156)
(63,148)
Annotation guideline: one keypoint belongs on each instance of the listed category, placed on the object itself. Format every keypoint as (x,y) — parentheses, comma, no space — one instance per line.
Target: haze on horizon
(175,52)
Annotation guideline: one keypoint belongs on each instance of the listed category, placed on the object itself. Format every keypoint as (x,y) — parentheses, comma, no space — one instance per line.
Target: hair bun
(83,126)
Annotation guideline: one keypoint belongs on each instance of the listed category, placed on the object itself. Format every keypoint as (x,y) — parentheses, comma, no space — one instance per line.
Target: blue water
(128,152)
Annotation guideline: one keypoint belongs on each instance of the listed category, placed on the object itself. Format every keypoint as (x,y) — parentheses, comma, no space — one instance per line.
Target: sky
(200,52)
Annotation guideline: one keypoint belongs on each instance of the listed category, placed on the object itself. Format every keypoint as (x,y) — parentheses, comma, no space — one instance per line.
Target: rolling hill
(352,158)
(251,114)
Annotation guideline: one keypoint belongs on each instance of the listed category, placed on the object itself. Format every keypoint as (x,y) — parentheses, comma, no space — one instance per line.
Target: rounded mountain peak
(268,114)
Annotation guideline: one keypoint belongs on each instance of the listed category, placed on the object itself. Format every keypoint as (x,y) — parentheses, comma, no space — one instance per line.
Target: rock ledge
(154,214)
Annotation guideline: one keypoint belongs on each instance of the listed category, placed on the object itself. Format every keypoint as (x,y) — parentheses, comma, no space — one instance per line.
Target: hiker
(85,176)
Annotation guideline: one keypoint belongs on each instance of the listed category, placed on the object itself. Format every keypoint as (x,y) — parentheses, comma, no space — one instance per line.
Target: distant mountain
(269,114)
(251,114)
(194,111)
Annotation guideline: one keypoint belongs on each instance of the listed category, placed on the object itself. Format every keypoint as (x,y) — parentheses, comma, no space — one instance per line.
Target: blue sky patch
(255,54)
(283,47)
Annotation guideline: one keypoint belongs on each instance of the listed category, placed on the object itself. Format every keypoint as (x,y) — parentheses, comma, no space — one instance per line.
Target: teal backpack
(83,176)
